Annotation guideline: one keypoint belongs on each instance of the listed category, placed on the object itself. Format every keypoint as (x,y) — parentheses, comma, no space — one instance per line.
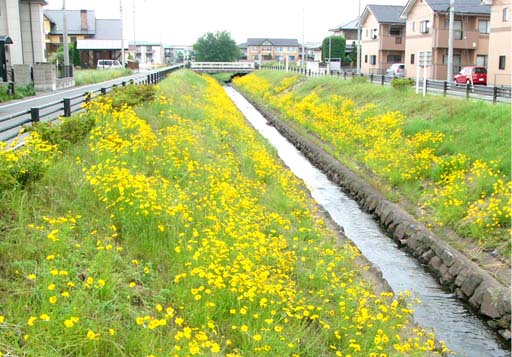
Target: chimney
(83,20)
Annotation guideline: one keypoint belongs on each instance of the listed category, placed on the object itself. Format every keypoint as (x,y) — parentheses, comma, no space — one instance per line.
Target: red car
(472,75)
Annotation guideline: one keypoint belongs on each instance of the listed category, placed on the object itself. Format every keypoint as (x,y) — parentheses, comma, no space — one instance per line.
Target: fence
(11,125)
(494,94)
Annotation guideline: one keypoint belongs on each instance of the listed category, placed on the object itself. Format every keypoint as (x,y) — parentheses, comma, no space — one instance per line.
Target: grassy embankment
(450,157)
(91,76)
(19,92)
(174,230)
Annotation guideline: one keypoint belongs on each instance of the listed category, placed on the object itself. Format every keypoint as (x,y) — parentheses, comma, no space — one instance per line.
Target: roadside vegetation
(450,157)
(169,227)
(91,76)
(19,92)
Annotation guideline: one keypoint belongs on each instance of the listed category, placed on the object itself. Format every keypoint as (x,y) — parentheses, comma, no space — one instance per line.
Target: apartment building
(22,21)
(427,24)
(499,64)
(382,38)
(273,49)
(148,52)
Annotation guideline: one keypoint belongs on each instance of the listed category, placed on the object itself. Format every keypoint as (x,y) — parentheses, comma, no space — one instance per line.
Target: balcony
(392,43)
(469,39)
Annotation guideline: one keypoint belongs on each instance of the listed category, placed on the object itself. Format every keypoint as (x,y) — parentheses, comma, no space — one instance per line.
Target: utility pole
(450,42)
(330,53)
(303,62)
(66,70)
(358,69)
(122,34)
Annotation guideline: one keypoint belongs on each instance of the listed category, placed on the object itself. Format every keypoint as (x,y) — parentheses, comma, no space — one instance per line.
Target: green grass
(484,125)
(19,92)
(90,76)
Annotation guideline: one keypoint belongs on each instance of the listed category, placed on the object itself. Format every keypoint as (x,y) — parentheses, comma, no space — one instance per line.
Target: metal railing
(11,124)
(495,94)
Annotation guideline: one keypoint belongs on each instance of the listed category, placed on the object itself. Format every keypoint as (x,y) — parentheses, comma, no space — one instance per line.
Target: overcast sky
(183,22)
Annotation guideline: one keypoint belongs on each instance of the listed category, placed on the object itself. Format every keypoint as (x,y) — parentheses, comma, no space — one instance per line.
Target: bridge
(220,67)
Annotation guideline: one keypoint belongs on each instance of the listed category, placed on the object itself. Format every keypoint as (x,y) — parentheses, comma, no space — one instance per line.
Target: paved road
(46,99)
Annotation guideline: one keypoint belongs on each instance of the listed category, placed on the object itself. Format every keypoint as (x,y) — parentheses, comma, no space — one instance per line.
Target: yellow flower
(50,257)
(51,287)
(92,336)
(52,299)
(111,331)
(101,282)
(132,284)
(31,277)
(257,337)
(2,319)
(31,320)
(65,294)
(44,317)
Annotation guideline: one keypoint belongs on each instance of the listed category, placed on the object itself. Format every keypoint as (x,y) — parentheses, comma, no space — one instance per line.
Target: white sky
(183,22)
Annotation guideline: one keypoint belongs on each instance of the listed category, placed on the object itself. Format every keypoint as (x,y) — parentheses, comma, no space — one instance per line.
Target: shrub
(132,95)
(401,83)
(70,131)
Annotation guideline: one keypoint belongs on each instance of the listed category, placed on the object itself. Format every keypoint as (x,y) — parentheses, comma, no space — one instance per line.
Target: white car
(108,64)
(396,70)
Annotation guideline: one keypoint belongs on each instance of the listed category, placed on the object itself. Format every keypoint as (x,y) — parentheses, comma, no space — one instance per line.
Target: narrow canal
(453,323)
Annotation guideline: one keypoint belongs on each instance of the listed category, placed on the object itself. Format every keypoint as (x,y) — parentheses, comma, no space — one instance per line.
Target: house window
(425,26)
(395,31)
(365,58)
(457,29)
(291,58)
(412,58)
(374,34)
(506,14)
(373,59)
(484,26)
(502,62)
(394,58)
(481,60)
(291,49)
(255,57)
(279,49)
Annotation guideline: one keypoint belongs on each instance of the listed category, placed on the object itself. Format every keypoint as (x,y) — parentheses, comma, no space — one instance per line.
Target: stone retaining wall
(483,292)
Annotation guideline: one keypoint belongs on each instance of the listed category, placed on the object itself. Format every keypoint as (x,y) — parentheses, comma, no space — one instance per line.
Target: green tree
(337,47)
(218,47)
(74,55)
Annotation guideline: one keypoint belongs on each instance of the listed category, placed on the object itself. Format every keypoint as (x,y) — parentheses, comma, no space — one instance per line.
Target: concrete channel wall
(486,295)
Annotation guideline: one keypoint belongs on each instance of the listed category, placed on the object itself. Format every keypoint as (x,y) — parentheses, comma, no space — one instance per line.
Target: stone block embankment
(482,291)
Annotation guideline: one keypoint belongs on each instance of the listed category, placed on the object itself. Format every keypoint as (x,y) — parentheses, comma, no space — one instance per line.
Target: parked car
(396,70)
(472,75)
(108,64)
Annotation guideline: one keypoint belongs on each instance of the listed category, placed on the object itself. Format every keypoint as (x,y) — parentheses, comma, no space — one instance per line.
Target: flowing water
(453,323)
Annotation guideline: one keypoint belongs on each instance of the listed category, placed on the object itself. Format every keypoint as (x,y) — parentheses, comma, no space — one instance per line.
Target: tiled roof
(291,42)
(387,13)
(461,6)
(108,29)
(352,25)
(476,7)
(73,20)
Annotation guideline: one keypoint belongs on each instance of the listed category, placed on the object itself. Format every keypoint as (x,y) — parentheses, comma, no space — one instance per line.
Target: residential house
(94,38)
(313,51)
(349,32)
(81,24)
(150,53)
(273,49)
(22,21)
(499,64)
(427,24)
(382,38)
(243,51)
